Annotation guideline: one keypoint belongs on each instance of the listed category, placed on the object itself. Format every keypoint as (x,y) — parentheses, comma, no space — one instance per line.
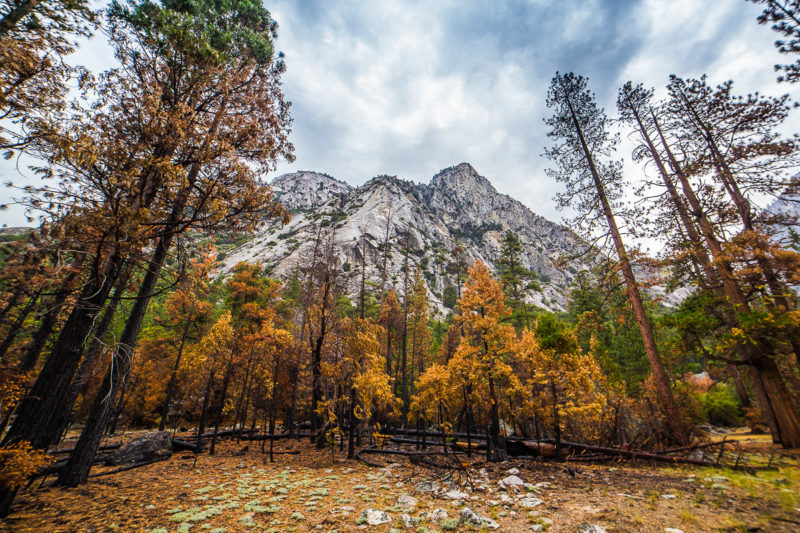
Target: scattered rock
(586,527)
(505,429)
(374,517)
(511,481)
(409,521)
(672,530)
(700,455)
(406,502)
(513,471)
(437,515)
(456,495)
(155,446)
(529,502)
(469,517)
(425,486)
(668,496)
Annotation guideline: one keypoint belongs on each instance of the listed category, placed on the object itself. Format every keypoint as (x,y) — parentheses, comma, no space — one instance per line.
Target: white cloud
(410,87)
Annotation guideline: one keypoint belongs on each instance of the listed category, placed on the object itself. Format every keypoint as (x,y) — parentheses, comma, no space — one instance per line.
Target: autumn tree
(208,183)
(561,384)
(187,310)
(483,354)
(320,292)
(35,37)
(419,334)
(582,151)
(732,142)
(359,384)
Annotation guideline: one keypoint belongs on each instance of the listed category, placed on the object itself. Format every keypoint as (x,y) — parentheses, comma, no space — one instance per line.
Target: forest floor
(240,490)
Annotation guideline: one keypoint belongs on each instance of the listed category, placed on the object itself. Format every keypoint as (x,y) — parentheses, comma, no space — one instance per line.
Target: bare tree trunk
(498,448)
(204,410)
(556,419)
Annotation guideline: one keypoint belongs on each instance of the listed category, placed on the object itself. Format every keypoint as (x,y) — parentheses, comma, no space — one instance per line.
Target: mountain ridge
(458,207)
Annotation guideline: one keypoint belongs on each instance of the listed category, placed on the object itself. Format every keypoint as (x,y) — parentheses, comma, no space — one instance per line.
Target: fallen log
(691,447)
(367,461)
(125,468)
(400,440)
(432,434)
(105,447)
(226,433)
(277,436)
(57,466)
(179,445)
(635,454)
(406,453)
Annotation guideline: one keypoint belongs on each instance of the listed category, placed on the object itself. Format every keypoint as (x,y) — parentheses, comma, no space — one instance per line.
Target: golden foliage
(19,461)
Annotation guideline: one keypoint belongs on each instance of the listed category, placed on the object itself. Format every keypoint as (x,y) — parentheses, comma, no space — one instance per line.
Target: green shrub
(721,405)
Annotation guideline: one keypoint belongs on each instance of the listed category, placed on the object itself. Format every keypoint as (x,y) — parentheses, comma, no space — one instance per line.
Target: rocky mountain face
(458,207)
(304,190)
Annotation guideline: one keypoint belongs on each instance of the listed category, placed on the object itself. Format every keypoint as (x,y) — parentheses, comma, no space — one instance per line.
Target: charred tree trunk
(497,451)
(16,325)
(46,325)
(40,413)
(77,468)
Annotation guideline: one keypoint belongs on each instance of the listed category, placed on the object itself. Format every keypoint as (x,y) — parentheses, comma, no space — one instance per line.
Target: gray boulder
(469,517)
(150,447)
(375,517)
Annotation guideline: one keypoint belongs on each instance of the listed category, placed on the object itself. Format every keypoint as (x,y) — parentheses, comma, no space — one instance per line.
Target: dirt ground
(240,490)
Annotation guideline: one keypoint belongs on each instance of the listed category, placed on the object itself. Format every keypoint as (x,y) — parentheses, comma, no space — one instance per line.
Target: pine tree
(593,186)
(784,15)
(516,280)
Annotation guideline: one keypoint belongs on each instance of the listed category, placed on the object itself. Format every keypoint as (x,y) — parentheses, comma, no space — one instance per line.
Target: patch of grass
(183,516)
(449,524)
(687,517)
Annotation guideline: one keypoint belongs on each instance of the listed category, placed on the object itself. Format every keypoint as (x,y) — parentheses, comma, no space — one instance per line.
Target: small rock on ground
(469,517)
(374,517)
(586,527)
(406,502)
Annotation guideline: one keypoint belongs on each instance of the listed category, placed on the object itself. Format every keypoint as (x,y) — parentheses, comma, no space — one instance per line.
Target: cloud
(411,87)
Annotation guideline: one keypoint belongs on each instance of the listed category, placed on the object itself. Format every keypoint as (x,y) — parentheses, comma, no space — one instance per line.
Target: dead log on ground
(124,468)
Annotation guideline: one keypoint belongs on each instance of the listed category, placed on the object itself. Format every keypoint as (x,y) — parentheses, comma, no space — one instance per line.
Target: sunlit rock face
(459,207)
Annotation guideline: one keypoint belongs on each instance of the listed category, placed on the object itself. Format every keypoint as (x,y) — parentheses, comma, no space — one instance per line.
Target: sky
(408,88)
